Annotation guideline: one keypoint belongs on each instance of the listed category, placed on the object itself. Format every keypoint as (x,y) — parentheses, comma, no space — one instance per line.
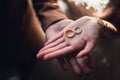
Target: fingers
(58,53)
(71,60)
(59,35)
(50,51)
(83,65)
(89,61)
(55,43)
(62,63)
(88,48)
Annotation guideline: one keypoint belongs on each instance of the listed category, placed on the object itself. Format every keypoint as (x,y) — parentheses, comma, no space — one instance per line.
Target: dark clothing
(15,49)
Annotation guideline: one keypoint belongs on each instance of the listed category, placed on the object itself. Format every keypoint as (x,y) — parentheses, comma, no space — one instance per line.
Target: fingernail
(78,56)
(45,58)
(37,56)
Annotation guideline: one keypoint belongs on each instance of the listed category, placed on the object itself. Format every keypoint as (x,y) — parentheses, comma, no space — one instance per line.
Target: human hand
(80,35)
(83,41)
(79,65)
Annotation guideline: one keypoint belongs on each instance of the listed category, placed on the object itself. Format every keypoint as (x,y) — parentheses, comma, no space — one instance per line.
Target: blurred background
(106,55)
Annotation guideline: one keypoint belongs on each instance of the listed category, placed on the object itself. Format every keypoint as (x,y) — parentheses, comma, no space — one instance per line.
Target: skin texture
(79,65)
(75,49)
(83,43)
(58,42)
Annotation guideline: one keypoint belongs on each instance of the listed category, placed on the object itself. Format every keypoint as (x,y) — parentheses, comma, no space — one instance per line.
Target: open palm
(82,42)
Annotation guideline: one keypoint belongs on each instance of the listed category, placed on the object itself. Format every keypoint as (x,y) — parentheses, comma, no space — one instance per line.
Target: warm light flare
(98,5)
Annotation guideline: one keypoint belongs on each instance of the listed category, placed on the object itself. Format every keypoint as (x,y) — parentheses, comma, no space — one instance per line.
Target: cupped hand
(79,65)
(81,35)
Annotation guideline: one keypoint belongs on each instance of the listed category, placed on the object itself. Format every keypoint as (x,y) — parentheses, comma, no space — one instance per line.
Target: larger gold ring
(69,33)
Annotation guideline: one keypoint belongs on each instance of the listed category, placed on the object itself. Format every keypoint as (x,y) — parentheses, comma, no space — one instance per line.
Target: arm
(48,12)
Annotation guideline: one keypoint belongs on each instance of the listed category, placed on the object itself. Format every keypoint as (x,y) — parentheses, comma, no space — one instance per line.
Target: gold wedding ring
(71,33)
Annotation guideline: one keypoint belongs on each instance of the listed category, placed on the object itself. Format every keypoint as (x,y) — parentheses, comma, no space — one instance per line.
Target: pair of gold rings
(71,33)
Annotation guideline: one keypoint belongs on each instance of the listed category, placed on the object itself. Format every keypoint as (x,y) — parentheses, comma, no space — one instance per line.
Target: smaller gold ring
(69,33)
(77,30)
